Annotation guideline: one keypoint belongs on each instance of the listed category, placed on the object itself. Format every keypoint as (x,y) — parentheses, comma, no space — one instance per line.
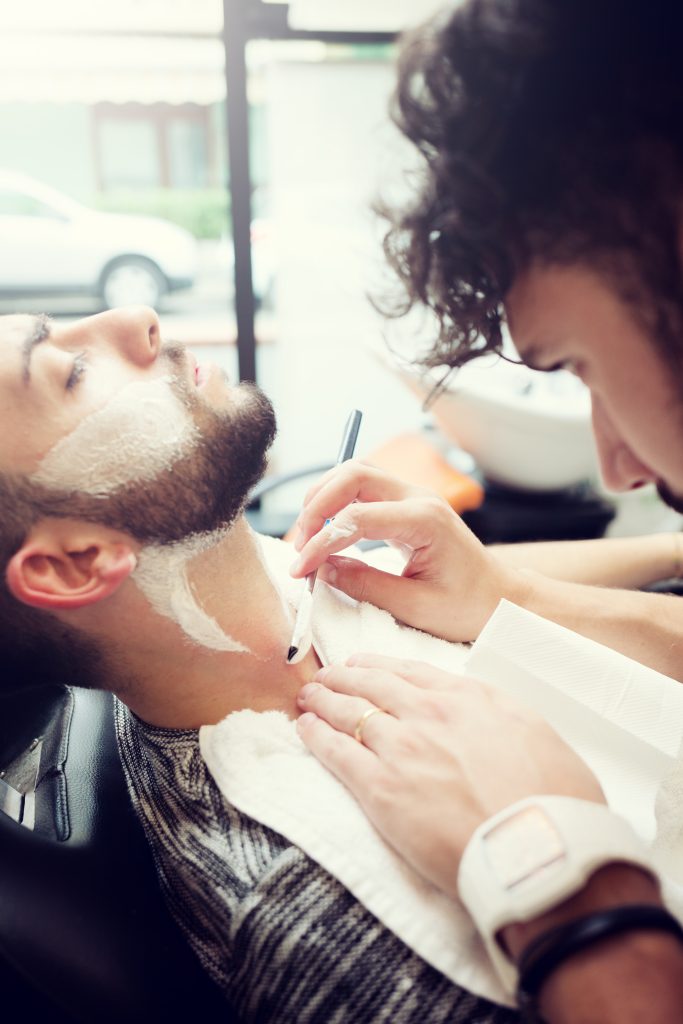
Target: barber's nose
(620,467)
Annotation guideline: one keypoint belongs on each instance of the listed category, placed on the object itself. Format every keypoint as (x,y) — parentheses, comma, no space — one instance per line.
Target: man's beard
(203,491)
(669,497)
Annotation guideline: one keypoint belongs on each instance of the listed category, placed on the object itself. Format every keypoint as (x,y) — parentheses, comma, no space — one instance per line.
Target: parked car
(52,245)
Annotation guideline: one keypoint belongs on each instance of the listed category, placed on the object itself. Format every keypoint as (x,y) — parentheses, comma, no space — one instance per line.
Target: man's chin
(669,497)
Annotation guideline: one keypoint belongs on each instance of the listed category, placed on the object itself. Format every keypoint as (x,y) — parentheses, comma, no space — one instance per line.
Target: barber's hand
(451,583)
(445,753)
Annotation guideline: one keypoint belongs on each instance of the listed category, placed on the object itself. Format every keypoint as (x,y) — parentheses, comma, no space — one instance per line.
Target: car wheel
(132,281)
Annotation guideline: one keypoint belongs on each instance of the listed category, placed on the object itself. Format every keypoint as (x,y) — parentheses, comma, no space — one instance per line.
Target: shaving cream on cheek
(161,575)
(140,432)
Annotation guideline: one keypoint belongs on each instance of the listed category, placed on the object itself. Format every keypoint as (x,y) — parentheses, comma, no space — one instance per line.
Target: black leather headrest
(81,912)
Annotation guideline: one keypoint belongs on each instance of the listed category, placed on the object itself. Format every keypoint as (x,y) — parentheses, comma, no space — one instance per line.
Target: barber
(552,142)
(448,755)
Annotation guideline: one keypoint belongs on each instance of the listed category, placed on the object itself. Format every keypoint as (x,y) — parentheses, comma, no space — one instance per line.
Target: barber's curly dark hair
(551,131)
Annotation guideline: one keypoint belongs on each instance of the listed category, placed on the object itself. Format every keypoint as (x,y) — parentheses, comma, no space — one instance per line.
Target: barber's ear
(62,566)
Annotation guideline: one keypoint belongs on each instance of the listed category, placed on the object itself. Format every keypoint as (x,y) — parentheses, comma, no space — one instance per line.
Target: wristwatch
(534,854)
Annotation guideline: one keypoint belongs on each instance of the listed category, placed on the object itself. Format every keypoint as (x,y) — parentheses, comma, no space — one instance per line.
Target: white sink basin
(523,428)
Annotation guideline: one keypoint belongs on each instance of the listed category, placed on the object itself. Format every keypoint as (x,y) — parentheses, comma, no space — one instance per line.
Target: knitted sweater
(283,939)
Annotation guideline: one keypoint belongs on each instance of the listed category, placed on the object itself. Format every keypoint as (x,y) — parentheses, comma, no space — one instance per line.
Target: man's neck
(184,683)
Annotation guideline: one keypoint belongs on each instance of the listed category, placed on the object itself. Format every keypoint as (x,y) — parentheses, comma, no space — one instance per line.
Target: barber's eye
(570,365)
(77,371)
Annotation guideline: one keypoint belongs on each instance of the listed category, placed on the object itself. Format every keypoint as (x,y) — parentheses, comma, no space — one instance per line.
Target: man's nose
(137,332)
(132,330)
(620,467)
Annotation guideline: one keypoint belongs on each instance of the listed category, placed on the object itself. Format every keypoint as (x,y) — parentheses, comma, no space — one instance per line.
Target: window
(128,153)
(155,145)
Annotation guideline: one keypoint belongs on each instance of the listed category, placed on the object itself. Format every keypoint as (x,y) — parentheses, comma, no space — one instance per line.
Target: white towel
(262,767)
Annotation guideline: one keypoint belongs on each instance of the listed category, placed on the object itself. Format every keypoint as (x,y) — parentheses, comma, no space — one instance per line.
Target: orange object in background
(412,458)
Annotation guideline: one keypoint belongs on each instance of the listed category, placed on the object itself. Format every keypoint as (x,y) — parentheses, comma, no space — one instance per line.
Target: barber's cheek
(606,452)
(620,468)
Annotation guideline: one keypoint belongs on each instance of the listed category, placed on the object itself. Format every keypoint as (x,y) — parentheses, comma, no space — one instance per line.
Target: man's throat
(233,625)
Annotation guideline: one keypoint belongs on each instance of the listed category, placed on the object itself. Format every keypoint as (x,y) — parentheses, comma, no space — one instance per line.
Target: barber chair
(84,933)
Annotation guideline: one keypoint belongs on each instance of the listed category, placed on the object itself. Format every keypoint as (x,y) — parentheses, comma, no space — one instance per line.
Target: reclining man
(129,566)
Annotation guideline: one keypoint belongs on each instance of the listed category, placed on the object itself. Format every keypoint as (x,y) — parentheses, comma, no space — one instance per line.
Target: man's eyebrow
(40,332)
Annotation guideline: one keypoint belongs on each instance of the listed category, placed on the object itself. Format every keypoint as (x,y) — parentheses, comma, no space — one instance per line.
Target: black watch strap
(552,948)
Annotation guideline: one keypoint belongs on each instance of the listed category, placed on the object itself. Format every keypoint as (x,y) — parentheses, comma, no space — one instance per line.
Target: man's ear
(68,564)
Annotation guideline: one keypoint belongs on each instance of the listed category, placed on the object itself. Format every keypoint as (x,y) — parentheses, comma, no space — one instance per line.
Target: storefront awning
(57,68)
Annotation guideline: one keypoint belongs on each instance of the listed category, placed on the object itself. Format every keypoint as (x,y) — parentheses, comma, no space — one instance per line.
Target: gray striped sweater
(285,941)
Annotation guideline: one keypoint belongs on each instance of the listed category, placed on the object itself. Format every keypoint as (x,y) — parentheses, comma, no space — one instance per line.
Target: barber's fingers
(353,763)
(350,714)
(353,481)
(340,694)
(408,600)
(410,523)
(405,688)
(414,673)
(345,690)
(345,475)
(378,521)
(365,481)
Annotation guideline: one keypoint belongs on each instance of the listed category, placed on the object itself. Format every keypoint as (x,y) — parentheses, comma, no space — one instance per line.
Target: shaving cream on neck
(161,575)
(140,432)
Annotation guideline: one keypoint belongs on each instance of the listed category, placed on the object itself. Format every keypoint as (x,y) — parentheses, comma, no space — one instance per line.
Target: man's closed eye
(77,371)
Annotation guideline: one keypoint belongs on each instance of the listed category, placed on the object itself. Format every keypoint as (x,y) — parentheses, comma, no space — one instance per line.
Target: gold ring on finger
(360,725)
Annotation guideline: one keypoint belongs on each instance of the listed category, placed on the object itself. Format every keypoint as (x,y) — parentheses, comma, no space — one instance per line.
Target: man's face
(568,317)
(78,396)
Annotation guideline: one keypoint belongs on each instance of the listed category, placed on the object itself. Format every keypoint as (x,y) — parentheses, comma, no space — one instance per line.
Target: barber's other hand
(445,754)
(451,583)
